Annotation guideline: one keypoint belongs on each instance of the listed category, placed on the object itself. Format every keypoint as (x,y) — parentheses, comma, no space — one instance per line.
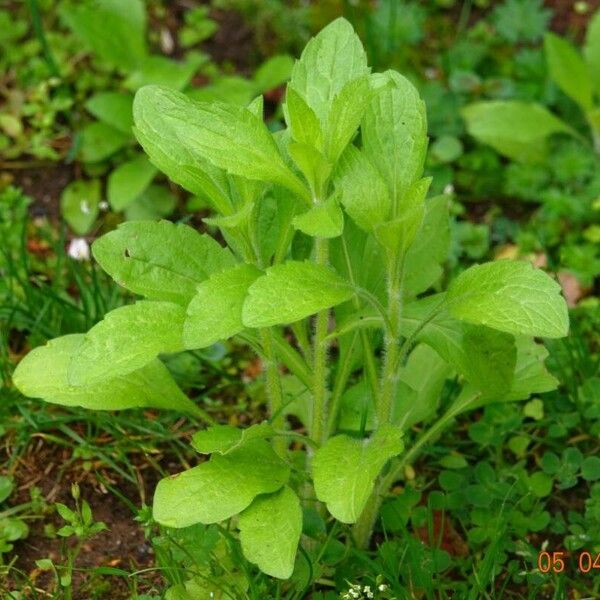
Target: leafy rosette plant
(331,273)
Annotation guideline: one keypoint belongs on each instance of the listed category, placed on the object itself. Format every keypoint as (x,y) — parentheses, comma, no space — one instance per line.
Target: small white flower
(79,249)
(449,189)
(103,205)
(382,587)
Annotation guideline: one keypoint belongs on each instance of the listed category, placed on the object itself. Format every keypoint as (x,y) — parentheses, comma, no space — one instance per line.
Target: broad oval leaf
(228,136)
(43,374)
(516,129)
(220,488)
(160,260)
(215,312)
(511,296)
(394,135)
(270,530)
(345,469)
(114,109)
(329,61)
(292,291)
(126,339)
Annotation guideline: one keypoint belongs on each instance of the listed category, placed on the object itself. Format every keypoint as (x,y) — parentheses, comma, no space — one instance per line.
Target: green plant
(320,224)
(531,123)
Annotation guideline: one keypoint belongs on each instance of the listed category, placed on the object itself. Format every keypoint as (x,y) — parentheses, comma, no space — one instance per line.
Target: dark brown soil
(51,468)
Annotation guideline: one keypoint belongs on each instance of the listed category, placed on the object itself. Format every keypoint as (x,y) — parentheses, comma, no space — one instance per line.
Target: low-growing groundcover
(331,271)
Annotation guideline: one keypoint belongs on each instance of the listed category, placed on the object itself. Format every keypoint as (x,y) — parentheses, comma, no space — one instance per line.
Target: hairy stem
(321,345)
(274,391)
(389,378)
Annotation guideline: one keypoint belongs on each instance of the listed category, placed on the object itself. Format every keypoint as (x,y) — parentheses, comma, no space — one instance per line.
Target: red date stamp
(555,562)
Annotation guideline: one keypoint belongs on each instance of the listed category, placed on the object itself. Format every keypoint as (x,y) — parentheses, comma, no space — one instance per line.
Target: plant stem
(389,379)
(363,528)
(274,391)
(319,418)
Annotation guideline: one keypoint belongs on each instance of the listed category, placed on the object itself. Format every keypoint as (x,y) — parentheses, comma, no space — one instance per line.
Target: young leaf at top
(344,470)
(364,194)
(270,530)
(126,339)
(220,488)
(394,135)
(511,296)
(324,220)
(161,261)
(329,61)
(229,137)
(302,122)
(215,312)
(43,374)
(568,70)
(291,291)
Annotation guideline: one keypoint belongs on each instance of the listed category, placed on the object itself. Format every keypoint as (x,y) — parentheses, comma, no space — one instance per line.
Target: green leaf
(114,109)
(225,438)
(591,51)
(115,31)
(511,296)
(429,249)
(160,70)
(155,202)
(126,339)
(530,377)
(420,388)
(221,487)
(100,141)
(270,530)
(399,234)
(162,261)
(79,204)
(128,181)
(345,469)
(43,374)
(183,166)
(568,70)
(364,194)
(301,120)
(229,137)
(313,165)
(515,129)
(590,468)
(272,73)
(292,291)
(215,312)
(394,135)
(6,487)
(324,220)
(347,110)
(329,61)
(484,356)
